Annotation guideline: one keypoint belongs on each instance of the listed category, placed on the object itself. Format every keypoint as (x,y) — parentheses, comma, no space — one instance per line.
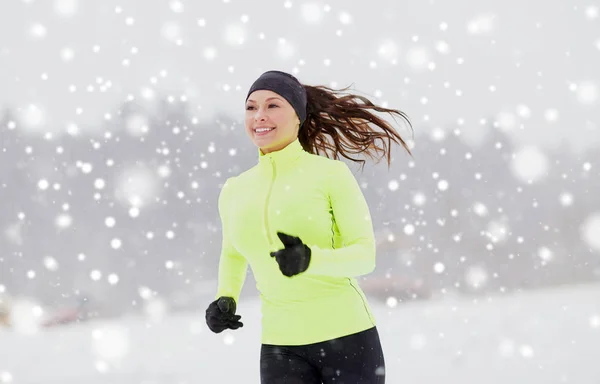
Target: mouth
(260,131)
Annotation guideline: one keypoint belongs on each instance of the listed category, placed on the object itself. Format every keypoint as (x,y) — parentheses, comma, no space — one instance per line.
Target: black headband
(285,85)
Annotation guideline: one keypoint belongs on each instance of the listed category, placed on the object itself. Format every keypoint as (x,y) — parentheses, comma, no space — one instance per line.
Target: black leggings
(353,359)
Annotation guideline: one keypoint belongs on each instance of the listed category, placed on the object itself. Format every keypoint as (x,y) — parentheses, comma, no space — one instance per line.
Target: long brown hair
(343,124)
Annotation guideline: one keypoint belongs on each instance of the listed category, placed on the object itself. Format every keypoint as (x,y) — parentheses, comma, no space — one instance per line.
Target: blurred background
(120,121)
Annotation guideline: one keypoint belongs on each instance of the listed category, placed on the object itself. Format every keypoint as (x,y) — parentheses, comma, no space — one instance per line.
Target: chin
(264,142)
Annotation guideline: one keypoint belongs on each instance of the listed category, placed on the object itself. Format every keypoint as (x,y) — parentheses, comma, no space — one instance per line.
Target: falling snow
(481,25)
(113,154)
(591,231)
(587,93)
(529,164)
(66,8)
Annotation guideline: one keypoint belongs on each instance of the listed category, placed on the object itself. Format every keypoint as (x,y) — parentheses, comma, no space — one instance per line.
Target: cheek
(248,121)
(280,118)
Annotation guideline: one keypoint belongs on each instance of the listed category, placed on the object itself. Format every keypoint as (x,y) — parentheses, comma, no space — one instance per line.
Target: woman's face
(266,109)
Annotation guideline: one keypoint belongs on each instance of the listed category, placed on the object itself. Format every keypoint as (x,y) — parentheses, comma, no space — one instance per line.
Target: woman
(303,225)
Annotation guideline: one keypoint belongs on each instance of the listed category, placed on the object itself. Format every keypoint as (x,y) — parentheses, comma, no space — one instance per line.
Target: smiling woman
(302,224)
(333,122)
(271,121)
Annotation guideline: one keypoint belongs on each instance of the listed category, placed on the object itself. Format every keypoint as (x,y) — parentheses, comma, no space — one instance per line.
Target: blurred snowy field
(541,337)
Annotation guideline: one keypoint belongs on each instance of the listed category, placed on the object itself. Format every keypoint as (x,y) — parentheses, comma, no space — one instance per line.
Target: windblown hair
(344,124)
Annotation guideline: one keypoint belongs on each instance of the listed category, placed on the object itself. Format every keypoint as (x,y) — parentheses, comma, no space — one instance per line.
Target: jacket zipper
(274,173)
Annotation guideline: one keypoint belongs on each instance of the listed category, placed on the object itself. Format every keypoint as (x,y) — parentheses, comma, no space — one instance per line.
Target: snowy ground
(541,337)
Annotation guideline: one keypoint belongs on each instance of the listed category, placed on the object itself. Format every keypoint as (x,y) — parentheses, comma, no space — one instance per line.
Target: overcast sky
(530,65)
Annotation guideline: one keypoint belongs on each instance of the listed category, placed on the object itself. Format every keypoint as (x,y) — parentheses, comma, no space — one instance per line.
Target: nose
(260,115)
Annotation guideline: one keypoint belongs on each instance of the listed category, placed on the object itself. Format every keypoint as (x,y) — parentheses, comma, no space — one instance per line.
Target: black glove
(220,315)
(294,258)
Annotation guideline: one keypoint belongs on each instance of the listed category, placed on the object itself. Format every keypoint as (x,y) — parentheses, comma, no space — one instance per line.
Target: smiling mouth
(263,130)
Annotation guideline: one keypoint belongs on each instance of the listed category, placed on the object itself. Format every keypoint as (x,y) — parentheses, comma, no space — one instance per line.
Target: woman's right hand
(220,315)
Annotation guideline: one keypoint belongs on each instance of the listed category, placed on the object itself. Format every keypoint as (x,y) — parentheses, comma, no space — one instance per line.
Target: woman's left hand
(294,258)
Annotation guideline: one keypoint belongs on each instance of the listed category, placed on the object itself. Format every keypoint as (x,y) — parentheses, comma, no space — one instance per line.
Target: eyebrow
(270,98)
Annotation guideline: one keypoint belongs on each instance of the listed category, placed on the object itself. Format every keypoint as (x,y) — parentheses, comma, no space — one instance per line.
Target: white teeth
(263,129)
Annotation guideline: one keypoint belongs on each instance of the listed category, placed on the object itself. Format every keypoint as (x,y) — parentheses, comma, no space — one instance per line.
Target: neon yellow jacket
(319,200)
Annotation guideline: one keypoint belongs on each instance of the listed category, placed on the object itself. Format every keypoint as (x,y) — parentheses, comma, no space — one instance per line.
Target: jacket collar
(284,156)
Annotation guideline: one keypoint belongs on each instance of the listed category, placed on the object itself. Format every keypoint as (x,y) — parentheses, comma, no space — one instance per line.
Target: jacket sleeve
(351,213)
(232,265)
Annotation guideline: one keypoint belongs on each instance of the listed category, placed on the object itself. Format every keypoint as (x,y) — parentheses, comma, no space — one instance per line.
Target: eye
(249,107)
(273,105)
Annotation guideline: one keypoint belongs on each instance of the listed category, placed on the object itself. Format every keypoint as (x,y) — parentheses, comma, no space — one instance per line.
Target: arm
(232,265)
(352,216)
